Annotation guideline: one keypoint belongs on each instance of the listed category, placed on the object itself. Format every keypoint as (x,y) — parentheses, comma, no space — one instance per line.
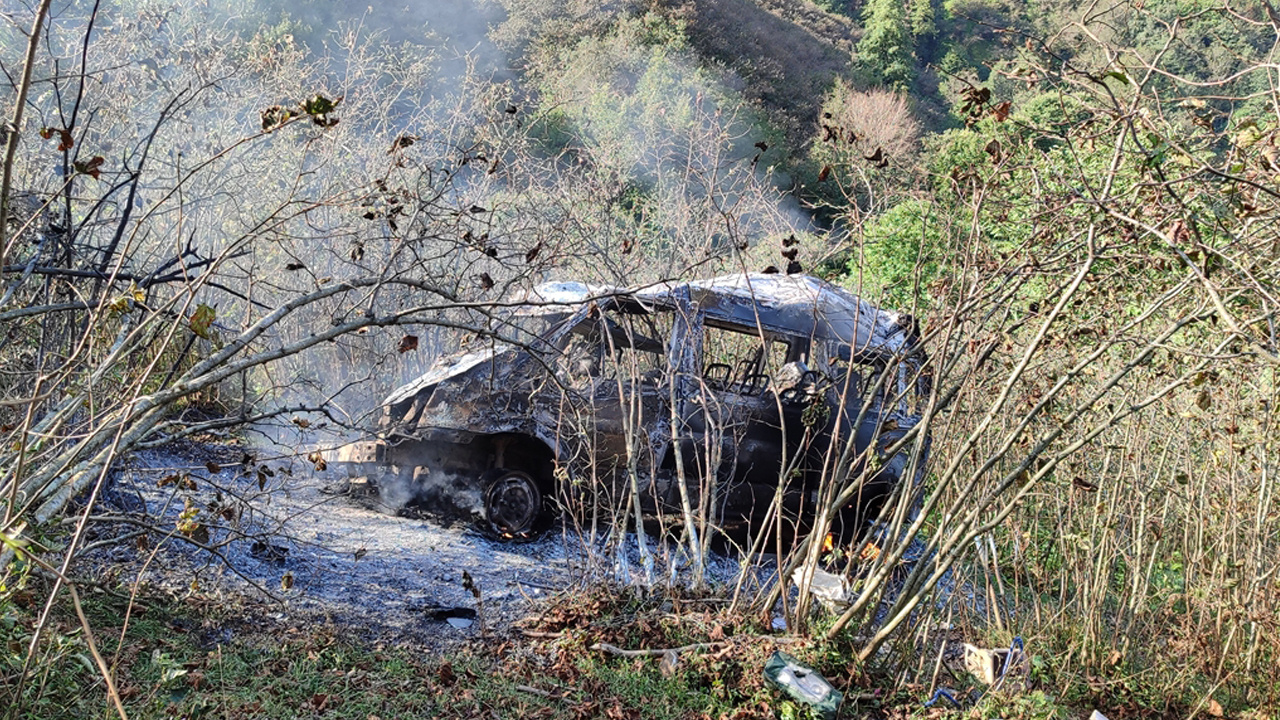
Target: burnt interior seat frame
(801,391)
(718,375)
(754,384)
(742,372)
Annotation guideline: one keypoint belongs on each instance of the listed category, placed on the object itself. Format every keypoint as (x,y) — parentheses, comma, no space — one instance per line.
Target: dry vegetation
(787,54)
(1089,246)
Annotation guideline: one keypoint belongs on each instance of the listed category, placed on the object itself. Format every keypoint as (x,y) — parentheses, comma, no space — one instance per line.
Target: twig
(542,586)
(209,548)
(695,647)
(658,652)
(536,691)
(15,129)
(541,634)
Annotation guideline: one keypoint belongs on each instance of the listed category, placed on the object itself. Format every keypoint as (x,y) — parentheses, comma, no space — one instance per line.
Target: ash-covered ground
(278,535)
(280,532)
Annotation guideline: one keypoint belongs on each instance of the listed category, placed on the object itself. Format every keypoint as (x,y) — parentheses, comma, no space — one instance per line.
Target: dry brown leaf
(317,459)
(1204,400)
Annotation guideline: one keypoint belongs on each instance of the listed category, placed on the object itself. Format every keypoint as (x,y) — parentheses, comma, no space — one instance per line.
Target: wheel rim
(512,503)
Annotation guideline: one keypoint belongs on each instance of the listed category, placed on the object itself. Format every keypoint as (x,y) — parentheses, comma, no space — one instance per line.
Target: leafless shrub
(871,120)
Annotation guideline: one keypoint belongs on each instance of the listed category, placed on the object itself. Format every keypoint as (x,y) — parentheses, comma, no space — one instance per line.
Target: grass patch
(204,659)
(199,659)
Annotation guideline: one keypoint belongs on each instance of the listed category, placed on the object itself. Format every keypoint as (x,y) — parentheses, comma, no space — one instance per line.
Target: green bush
(902,251)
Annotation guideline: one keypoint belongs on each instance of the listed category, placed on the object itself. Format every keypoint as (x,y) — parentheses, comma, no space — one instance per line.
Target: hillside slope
(788,52)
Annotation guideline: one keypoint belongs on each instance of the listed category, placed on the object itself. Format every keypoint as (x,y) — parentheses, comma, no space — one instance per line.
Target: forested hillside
(243,225)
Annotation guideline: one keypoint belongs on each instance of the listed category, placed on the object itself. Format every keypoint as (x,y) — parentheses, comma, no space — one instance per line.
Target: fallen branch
(695,647)
(542,635)
(658,652)
(536,691)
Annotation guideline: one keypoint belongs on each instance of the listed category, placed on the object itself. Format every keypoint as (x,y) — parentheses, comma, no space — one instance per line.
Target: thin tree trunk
(15,129)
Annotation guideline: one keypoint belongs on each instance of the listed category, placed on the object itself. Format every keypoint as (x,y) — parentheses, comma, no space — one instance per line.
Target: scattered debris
(670,660)
(831,590)
(802,684)
(981,663)
(268,552)
(998,669)
(472,587)
(944,694)
(407,563)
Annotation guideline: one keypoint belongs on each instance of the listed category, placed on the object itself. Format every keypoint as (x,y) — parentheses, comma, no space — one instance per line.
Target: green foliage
(955,154)
(1034,705)
(969,37)
(271,43)
(634,95)
(1050,116)
(839,7)
(663,137)
(656,30)
(307,670)
(1037,148)
(1215,44)
(921,18)
(884,52)
(61,666)
(902,251)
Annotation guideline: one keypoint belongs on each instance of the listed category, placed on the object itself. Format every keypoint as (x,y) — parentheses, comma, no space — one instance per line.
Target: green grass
(168,669)
(203,658)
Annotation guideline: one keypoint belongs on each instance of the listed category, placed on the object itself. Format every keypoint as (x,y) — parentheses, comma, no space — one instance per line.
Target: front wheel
(512,502)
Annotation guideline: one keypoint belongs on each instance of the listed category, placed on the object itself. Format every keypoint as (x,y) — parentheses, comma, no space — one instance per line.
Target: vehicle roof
(788,305)
(797,305)
(782,305)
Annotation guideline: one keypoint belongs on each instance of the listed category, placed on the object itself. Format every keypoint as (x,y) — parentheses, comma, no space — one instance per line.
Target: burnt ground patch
(193,519)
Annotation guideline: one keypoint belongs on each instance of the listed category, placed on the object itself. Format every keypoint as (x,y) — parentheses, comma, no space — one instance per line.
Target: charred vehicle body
(704,400)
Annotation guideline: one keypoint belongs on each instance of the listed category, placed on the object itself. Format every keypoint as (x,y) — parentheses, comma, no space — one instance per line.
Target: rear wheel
(512,502)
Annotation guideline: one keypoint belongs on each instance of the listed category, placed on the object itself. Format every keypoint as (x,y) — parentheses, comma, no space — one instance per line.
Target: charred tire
(512,502)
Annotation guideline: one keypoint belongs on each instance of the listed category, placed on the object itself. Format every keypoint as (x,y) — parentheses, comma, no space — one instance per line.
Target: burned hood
(449,367)
(552,300)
